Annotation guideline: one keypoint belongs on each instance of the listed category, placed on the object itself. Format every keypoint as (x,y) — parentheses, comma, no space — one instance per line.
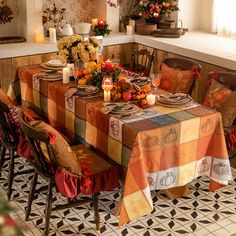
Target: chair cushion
(223,100)
(176,80)
(61,149)
(126,71)
(97,175)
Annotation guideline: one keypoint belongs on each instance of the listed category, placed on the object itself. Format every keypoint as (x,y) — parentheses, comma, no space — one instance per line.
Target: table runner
(163,148)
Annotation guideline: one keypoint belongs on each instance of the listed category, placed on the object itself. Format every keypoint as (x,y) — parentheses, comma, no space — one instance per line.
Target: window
(224,17)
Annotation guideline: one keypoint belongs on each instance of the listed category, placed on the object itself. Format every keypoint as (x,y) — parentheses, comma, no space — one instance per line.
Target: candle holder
(107,86)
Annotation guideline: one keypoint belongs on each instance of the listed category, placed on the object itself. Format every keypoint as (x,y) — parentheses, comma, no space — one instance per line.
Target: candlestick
(108,65)
(39,38)
(129,29)
(52,35)
(151,98)
(66,75)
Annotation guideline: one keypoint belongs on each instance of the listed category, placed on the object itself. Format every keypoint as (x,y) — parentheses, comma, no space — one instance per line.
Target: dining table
(164,147)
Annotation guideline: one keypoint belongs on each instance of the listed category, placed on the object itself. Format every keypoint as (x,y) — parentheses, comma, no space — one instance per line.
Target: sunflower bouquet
(76,48)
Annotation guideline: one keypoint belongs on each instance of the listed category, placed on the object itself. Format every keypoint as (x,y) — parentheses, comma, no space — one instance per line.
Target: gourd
(168,179)
(203,167)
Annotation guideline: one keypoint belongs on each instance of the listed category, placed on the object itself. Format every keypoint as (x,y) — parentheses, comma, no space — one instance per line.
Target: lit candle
(107,87)
(39,38)
(108,65)
(132,23)
(101,23)
(151,98)
(129,29)
(52,35)
(94,21)
(66,75)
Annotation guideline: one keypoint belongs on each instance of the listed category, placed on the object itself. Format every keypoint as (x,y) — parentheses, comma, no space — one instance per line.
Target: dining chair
(141,63)
(179,74)
(10,141)
(225,89)
(96,174)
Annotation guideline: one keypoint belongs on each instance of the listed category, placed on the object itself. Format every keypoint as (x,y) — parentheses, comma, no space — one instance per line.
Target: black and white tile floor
(201,213)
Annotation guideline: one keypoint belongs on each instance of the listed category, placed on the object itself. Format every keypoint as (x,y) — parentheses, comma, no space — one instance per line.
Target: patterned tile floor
(198,214)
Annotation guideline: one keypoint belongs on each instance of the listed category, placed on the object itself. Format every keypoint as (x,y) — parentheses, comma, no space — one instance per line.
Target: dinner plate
(87,90)
(174,99)
(44,65)
(140,81)
(55,63)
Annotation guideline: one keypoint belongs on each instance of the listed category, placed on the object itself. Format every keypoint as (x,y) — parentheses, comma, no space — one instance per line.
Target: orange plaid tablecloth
(163,148)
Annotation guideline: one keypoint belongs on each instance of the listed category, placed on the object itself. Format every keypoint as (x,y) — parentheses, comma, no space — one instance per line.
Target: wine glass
(155,80)
(75,72)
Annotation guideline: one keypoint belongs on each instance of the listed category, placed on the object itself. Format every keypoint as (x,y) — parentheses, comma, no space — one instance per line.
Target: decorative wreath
(6,15)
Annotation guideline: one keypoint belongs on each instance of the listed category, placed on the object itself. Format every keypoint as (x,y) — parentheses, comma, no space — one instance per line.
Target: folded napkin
(70,92)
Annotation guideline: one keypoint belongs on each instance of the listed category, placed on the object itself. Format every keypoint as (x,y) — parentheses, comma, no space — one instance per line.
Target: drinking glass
(75,72)
(155,80)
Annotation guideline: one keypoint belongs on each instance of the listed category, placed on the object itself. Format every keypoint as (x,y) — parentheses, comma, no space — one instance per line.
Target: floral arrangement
(156,8)
(100,71)
(101,28)
(75,48)
(6,15)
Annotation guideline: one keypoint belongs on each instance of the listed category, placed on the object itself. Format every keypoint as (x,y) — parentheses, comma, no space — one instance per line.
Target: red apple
(127,96)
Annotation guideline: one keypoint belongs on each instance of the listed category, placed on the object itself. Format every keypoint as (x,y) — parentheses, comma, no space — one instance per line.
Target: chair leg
(48,209)
(11,173)
(96,213)
(31,195)
(2,158)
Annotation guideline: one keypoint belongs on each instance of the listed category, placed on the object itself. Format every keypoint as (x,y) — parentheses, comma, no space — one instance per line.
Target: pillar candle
(108,65)
(66,75)
(39,38)
(132,23)
(151,98)
(129,29)
(94,21)
(52,35)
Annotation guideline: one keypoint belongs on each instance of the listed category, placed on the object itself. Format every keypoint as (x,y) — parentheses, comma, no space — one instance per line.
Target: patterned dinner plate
(174,99)
(140,81)
(55,63)
(46,66)
(87,90)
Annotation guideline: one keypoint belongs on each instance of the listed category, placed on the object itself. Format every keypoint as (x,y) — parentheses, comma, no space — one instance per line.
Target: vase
(71,65)
(153,20)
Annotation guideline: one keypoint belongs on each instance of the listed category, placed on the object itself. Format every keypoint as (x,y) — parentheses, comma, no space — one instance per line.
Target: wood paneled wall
(122,52)
(9,66)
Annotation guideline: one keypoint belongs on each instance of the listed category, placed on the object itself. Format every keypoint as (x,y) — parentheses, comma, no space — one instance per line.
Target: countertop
(210,48)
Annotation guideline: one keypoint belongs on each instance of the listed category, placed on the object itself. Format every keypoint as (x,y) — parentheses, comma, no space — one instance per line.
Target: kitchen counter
(210,48)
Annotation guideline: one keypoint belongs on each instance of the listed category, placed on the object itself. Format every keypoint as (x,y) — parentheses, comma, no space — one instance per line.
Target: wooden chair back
(228,79)
(8,129)
(142,61)
(37,141)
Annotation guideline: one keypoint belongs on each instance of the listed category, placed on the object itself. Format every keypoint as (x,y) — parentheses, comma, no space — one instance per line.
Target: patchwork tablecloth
(163,148)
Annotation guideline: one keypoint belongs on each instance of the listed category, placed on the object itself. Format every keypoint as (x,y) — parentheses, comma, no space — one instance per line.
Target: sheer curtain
(224,17)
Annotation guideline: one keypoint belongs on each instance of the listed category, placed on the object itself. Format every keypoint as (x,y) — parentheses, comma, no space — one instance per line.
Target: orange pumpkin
(221,168)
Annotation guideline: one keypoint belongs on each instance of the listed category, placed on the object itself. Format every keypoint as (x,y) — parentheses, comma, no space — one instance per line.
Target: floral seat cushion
(176,80)
(64,156)
(97,175)
(223,100)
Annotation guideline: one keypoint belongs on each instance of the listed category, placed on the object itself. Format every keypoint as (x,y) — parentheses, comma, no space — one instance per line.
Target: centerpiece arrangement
(155,9)
(76,49)
(101,28)
(6,14)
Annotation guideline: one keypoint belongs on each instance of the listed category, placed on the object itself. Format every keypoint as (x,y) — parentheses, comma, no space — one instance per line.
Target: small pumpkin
(168,179)
(82,81)
(221,168)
